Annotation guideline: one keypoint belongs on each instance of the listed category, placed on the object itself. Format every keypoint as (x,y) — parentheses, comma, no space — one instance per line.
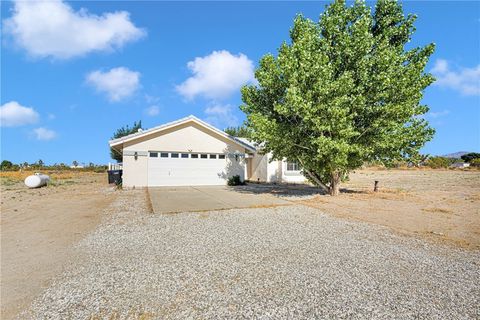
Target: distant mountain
(456,155)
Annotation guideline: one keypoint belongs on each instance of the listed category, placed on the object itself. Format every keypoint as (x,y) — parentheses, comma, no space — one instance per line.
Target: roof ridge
(184,119)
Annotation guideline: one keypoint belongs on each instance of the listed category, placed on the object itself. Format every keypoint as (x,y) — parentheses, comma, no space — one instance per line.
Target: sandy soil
(37,228)
(441,205)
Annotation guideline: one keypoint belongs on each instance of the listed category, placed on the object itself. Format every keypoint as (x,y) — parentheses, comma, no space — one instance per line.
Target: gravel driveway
(284,262)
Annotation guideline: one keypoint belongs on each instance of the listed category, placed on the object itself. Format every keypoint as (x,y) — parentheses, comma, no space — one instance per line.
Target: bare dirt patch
(436,204)
(38,227)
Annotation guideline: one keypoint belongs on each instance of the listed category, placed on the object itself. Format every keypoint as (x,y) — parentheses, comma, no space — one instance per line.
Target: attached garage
(186,152)
(186,169)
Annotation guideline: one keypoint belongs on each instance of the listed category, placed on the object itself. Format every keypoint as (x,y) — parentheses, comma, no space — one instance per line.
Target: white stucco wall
(274,168)
(135,171)
(259,167)
(291,176)
(188,137)
(277,172)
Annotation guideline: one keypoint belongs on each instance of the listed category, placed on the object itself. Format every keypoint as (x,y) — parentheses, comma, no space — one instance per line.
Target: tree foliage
(6,165)
(343,91)
(470,156)
(439,162)
(122,132)
(242,131)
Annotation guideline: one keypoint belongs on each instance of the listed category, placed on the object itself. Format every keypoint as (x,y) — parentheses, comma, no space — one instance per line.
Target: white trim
(165,126)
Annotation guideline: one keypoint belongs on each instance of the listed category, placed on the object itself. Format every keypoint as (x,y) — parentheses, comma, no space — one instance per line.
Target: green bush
(439,162)
(475,162)
(235,181)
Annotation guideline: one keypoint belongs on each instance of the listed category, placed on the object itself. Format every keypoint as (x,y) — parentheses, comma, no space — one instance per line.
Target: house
(460,165)
(191,152)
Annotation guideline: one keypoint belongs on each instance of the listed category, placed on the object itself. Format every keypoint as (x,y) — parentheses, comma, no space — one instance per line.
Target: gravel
(284,262)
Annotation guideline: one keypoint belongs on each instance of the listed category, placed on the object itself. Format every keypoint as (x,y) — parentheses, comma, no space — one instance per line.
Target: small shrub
(475,163)
(235,181)
(439,162)
(119,184)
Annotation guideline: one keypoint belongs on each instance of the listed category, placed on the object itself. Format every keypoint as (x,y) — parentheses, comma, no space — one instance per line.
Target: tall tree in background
(122,132)
(6,165)
(242,131)
(343,91)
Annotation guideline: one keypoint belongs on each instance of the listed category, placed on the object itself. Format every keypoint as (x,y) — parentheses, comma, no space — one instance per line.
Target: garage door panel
(186,171)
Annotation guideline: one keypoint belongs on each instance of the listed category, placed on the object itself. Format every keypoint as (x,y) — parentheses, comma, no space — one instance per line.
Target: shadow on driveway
(208,198)
(279,190)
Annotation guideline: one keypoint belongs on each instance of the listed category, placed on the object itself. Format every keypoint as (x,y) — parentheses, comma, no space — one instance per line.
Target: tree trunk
(315,178)
(317,181)
(335,184)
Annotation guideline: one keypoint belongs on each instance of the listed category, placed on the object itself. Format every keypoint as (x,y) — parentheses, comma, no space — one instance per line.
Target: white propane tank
(37,180)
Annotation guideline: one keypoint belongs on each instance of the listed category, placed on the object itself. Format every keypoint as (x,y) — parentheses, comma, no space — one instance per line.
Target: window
(184,155)
(213,156)
(293,166)
(221,156)
(174,155)
(153,154)
(194,156)
(164,155)
(203,156)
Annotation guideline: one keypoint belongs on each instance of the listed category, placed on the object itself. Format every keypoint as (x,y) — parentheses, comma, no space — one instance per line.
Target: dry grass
(413,201)
(58,175)
(437,210)
(13,180)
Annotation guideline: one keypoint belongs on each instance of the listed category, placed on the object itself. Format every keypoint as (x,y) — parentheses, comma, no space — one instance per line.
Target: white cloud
(221,115)
(152,111)
(464,80)
(217,75)
(441,66)
(151,99)
(44,134)
(53,29)
(438,114)
(12,114)
(118,83)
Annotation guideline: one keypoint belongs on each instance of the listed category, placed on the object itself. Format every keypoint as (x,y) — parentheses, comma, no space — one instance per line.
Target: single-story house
(190,152)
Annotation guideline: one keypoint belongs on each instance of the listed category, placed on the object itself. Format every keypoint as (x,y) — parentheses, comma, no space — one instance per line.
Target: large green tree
(343,91)
(122,132)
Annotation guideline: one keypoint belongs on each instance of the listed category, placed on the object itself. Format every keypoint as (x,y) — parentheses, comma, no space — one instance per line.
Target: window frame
(153,154)
(174,155)
(295,164)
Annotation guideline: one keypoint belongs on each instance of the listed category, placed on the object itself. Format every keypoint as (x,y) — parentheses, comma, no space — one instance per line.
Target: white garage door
(187,169)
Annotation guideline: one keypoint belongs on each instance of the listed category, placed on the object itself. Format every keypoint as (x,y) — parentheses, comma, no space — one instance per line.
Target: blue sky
(68,82)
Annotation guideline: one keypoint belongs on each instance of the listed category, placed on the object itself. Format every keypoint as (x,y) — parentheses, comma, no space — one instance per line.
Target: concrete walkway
(206,198)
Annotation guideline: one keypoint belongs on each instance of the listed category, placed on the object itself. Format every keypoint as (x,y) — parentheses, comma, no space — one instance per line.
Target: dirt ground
(441,205)
(38,226)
